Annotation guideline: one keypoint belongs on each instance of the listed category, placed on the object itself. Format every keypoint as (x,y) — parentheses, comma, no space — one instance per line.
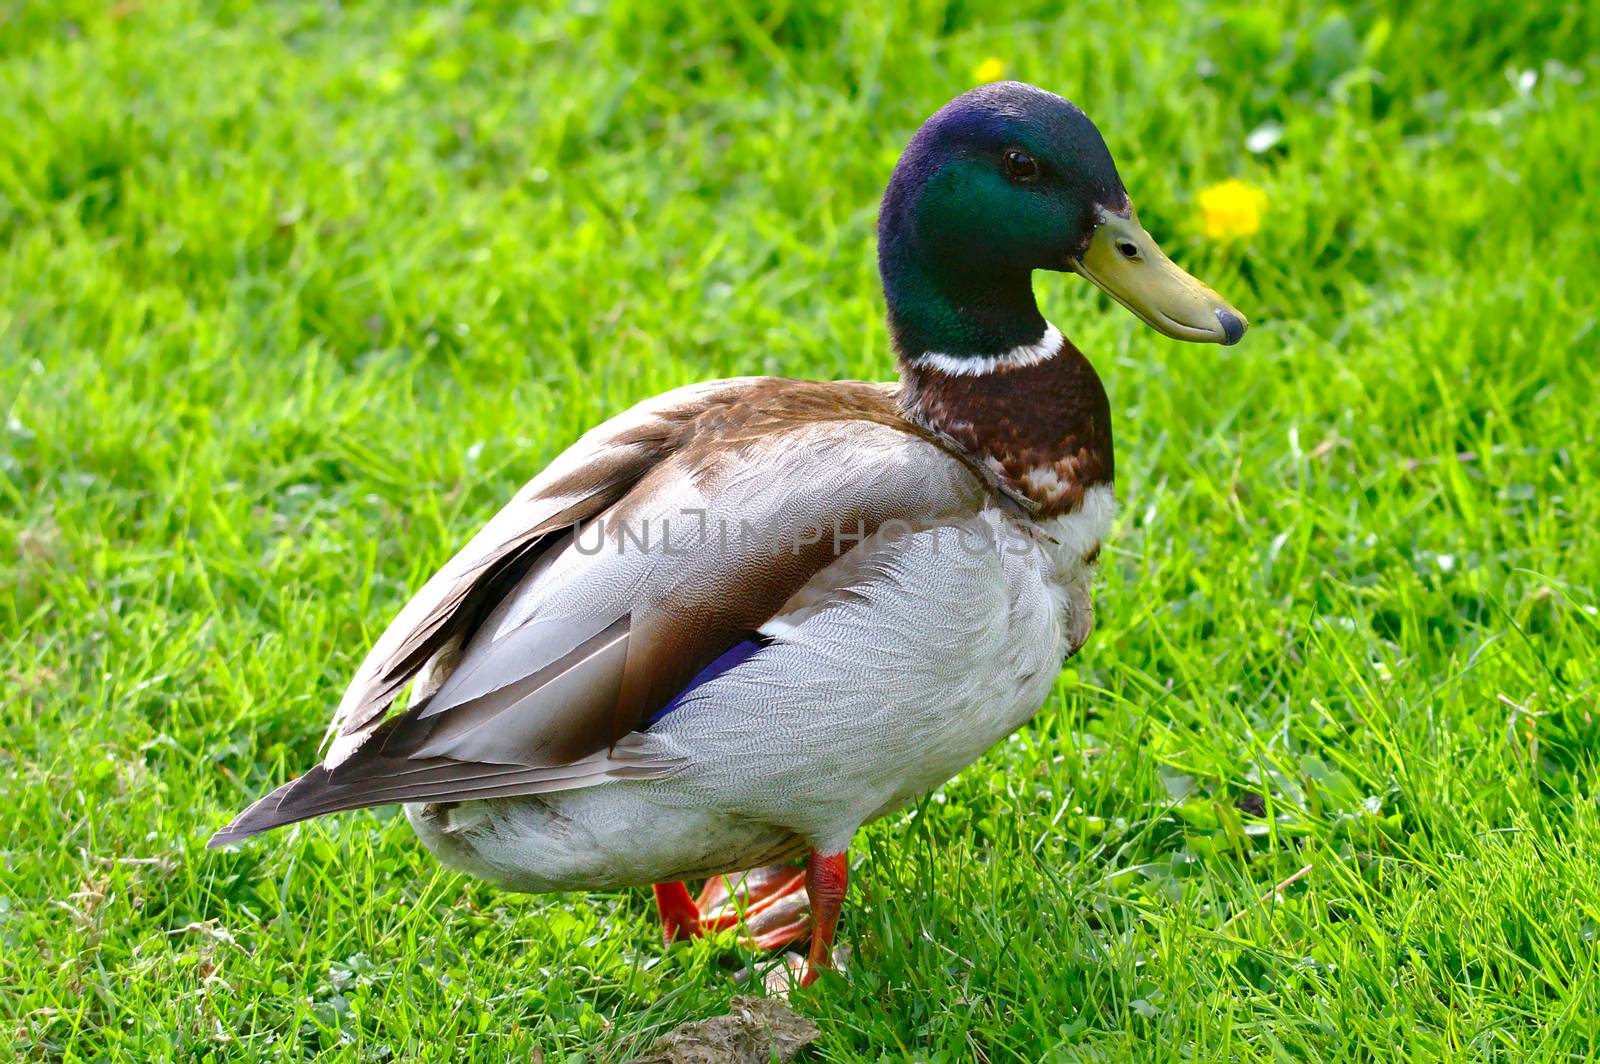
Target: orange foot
(779,905)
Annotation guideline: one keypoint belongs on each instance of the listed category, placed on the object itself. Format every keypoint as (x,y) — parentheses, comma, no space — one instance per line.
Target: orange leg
(827,879)
(680,916)
(779,905)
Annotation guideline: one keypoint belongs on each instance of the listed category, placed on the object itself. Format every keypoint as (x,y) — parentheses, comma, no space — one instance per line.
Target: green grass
(292,296)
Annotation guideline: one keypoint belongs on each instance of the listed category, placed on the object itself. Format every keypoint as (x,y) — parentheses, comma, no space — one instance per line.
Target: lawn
(292,296)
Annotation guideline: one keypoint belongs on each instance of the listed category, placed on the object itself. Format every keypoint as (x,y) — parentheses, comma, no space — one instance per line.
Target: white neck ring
(1019,357)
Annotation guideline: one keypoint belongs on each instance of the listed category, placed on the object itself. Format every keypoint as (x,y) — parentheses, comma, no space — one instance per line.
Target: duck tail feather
(379,780)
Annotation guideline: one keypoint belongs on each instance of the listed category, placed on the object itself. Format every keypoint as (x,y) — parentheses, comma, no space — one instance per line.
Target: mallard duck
(732,625)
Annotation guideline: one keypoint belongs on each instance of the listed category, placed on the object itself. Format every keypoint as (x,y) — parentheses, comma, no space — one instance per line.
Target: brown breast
(1044,429)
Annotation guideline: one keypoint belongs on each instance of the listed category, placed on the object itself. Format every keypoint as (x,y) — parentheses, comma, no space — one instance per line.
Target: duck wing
(660,541)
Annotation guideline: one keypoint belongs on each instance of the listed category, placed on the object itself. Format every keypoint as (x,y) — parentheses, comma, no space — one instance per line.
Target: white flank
(1073,538)
(1041,350)
(1077,533)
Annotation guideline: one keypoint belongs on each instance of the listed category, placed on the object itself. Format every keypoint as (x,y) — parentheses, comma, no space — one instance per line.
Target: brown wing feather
(593,474)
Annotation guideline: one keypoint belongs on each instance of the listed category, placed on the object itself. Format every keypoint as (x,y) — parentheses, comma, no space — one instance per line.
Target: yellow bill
(1125,262)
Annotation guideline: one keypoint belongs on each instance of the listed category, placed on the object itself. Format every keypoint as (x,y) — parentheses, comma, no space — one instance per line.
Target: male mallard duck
(737,622)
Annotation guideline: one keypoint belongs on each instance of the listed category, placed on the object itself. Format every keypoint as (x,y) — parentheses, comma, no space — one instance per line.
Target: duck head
(1004,180)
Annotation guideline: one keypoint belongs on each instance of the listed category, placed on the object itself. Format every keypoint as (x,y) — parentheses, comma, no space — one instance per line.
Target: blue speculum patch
(735,655)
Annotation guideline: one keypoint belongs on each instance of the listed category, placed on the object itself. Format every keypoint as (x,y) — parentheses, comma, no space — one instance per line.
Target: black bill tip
(1232,327)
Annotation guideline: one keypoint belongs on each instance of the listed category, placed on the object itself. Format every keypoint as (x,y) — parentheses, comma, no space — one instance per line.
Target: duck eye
(1020,165)
(1129,249)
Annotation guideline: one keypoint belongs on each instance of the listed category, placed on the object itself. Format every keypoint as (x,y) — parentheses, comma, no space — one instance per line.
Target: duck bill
(1130,267)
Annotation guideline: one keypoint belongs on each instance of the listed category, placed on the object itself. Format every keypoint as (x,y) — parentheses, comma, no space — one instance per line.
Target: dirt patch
(754,1031)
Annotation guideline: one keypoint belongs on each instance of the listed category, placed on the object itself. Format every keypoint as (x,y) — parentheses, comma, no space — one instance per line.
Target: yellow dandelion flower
(991,69)
(1231,210)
